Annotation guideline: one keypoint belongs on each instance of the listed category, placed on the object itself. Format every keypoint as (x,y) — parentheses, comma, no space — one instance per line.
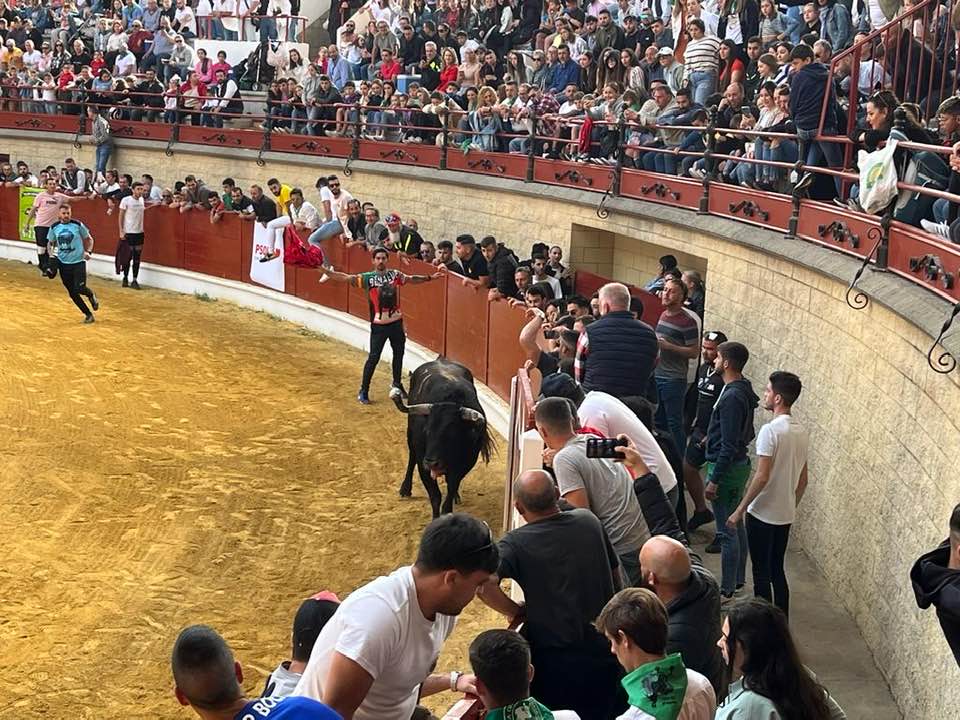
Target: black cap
(313,614)
(560,384)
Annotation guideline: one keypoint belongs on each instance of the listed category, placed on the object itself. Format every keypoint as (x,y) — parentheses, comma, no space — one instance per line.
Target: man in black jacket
(617,353)
(808,86)
(728,465)
(936,581)
(148,97)
(692,598)
(501,266)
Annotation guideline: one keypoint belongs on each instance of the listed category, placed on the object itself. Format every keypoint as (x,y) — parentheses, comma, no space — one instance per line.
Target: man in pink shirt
(45,212)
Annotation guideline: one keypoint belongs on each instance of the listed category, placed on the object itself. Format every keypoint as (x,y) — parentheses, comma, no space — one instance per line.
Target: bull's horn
(420,409)
(397,396)
(471,415)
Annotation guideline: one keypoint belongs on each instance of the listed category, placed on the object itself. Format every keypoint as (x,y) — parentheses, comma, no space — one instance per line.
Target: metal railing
(914,254)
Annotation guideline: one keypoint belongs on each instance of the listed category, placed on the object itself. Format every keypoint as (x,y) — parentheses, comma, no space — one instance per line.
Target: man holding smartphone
(600,485)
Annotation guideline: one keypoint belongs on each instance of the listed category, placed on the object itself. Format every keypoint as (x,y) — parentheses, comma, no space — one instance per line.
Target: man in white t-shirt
(130,219)
(635,622)
(374,658)
(226,23)
(773,495)
(186,20)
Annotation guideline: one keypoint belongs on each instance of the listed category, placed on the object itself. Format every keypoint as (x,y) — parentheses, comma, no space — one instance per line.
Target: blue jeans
(703,83)
(329,229)
(103,155)
(794,16)
(786,151)
(672,392)
(268,29)
(733,549)
(817,152)
(941,210)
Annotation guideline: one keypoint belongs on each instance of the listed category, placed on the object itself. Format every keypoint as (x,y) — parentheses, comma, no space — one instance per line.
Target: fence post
(532,150)
(708,164)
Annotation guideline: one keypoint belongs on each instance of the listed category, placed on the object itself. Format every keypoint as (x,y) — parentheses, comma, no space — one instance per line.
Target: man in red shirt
(389,67)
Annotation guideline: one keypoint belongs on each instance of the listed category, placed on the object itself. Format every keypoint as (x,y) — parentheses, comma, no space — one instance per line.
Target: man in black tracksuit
(501,268)
(936,581)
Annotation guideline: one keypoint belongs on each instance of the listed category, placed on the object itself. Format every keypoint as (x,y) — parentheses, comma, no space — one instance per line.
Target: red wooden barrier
(587,283)
(504,355)
(213,249)
(467,326)
(163,231)
(424,305)
(10,213)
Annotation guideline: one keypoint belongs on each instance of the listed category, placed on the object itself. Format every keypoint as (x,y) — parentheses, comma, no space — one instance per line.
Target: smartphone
(603,448)
(745,110)
(551,334)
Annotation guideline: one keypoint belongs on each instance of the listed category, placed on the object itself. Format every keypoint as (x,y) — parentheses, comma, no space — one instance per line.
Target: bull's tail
(487,444)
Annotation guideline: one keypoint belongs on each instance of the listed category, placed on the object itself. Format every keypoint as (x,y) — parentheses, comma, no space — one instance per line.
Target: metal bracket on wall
(749,208)
(660,190)
(602,212)
(486,164)
(945,363)
(174,137)
(931,267)
(399,154)
(859,299)
(574,176)
(264,145)
(840,232)
(81,126)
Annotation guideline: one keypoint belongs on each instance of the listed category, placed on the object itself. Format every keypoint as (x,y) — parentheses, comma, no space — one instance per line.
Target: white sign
(270,273)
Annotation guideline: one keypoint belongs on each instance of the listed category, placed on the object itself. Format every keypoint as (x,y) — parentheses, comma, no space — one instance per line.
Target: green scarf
(528,709)
(658,688)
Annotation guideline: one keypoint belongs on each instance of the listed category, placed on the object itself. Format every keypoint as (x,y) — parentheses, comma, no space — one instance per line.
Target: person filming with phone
(598,484)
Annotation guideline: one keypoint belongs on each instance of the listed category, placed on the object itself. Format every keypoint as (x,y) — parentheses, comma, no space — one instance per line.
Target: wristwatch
(454,679)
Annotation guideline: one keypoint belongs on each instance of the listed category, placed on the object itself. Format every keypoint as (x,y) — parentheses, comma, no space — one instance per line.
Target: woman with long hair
(732,67)
(450,71)
(516,69)
(633,75)
(764,673)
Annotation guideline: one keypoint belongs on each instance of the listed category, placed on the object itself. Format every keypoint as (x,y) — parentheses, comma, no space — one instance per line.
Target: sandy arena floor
(184,461)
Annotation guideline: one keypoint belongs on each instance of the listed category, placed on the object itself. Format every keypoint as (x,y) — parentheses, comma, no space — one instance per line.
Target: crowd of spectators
(553,78)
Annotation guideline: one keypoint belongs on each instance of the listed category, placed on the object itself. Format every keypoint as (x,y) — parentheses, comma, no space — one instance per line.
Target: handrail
(764,207)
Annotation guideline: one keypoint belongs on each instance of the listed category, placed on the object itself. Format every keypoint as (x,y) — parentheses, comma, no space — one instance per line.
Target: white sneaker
(935,228)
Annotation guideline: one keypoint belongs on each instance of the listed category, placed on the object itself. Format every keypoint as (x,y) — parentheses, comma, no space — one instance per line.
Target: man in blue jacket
(566,73)
(809,85)
(728,466)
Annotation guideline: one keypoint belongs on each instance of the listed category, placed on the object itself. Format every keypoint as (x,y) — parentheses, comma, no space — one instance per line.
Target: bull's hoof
(456,499)
(404,492)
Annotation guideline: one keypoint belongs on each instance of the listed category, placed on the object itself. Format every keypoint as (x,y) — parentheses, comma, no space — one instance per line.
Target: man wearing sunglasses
(373,659)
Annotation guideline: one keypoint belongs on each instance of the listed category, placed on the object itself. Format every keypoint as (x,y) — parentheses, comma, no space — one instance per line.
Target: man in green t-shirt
(386,319)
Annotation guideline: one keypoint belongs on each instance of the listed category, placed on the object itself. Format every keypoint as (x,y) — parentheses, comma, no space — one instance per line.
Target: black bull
(446,429)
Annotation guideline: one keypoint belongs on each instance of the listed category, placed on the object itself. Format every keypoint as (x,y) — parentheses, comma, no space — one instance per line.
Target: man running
(386,320)
(45,211)
(130,218)
(75,245)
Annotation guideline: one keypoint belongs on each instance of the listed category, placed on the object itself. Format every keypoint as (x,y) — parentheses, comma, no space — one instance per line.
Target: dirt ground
(185,461)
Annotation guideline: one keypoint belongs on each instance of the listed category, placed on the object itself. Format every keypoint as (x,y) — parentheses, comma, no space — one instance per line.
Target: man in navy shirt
(208,680)
(566,73)
(74,244)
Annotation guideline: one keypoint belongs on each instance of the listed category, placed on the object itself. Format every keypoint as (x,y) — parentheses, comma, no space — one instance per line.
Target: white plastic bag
(878,178)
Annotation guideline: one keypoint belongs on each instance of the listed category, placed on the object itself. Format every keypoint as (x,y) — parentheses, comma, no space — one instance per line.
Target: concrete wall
(884,427)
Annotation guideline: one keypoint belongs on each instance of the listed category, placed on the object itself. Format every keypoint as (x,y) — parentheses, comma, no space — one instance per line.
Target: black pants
(379,334)
(135,242)
(74,279)
(768,546)
(585,682)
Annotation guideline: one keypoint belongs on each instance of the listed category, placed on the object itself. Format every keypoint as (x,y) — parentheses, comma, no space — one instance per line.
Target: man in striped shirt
(678,332)
(701,61)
